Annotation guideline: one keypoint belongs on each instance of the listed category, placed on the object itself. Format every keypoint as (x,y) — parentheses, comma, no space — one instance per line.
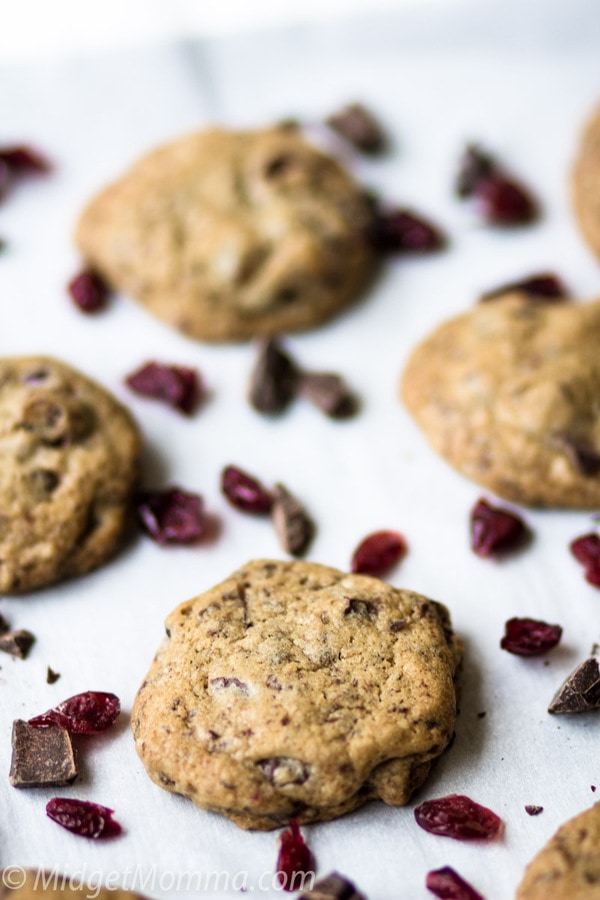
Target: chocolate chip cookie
(32,884)
(586,183)
(293,690)
(69,466)
(568,867)
(230,235)
(508,394)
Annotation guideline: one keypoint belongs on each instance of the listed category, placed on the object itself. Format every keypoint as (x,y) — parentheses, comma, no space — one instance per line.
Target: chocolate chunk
(581,691)
(583,458)
(41,757)
(17,643)
(283,770)
(4,626)
(359,126)
(219,684)
(365,609)
(328,392)
(333,887)
(52,676)
(274,379)
(533,810)
(293,526)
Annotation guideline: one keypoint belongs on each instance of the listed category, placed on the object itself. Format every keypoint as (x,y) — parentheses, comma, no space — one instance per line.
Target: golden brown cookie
(231,235)
(69,467)
(586,183)
(508,394)
(17,883)
(293,690)
(568,867)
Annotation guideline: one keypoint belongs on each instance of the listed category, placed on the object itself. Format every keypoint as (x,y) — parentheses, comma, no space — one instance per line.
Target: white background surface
(522,83)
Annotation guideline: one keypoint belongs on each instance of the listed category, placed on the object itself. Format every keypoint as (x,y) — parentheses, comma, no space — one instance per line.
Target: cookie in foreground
(568,866)
(70,464)
(231,235)
(294,690)
(508,394)
(586,182)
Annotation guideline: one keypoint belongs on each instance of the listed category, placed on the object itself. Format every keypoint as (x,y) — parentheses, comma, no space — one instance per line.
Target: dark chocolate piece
(41,757)
(581,691)
(52,676)
(333,887)
(359,126)
(293,526)
(17,643)
(274,379)
(584,459)
(533,810)
(4,626)
(329,392)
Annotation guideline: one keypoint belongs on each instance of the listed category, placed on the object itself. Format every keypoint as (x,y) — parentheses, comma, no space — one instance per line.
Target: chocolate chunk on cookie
(586,183)
(286,692)
(508,394)
(568,867)
(232,235)
(69,467)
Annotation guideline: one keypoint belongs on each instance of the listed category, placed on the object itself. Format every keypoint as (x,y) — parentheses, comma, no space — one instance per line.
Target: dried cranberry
(378,552)
(448,885)
(458,817)
(88,291)
(401,231)
(495,530)
(504,201)
(178,386)
(87,713)
(544,286)
(81,817)
(22,159)
(294,859)
(245,492)
(172,516)
(529,637)
(586,550)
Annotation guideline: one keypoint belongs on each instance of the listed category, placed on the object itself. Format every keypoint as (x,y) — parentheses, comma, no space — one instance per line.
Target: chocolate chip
(52,676)
(283,770)
(533,810)
(41,757)
(4,626)
(581,691)
(398,625)
(363,608)
(329,393)
(273,380)
(359,126)
(17,643)
(41,483)
(293,526)
(220,683)
(45,418)
(333,887)
(583,458)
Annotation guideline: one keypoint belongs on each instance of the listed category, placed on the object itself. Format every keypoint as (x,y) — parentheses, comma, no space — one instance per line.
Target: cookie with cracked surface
(568,867)
(30,884)
(231,235)
(586,183)
(293,690)
(69,467)
(508,394)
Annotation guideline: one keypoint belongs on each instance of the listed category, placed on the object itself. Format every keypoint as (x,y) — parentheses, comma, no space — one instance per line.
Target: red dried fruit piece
(22,159)
(544,286)
(530,637)
(378,552)
(586,549)
(81,817)
(495,530)
(87,713)
(402,231)
(295,860)
(89,291)
(179,386)
(504,201)
(448,885)
(459,817)
(245,492)
(172,516)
